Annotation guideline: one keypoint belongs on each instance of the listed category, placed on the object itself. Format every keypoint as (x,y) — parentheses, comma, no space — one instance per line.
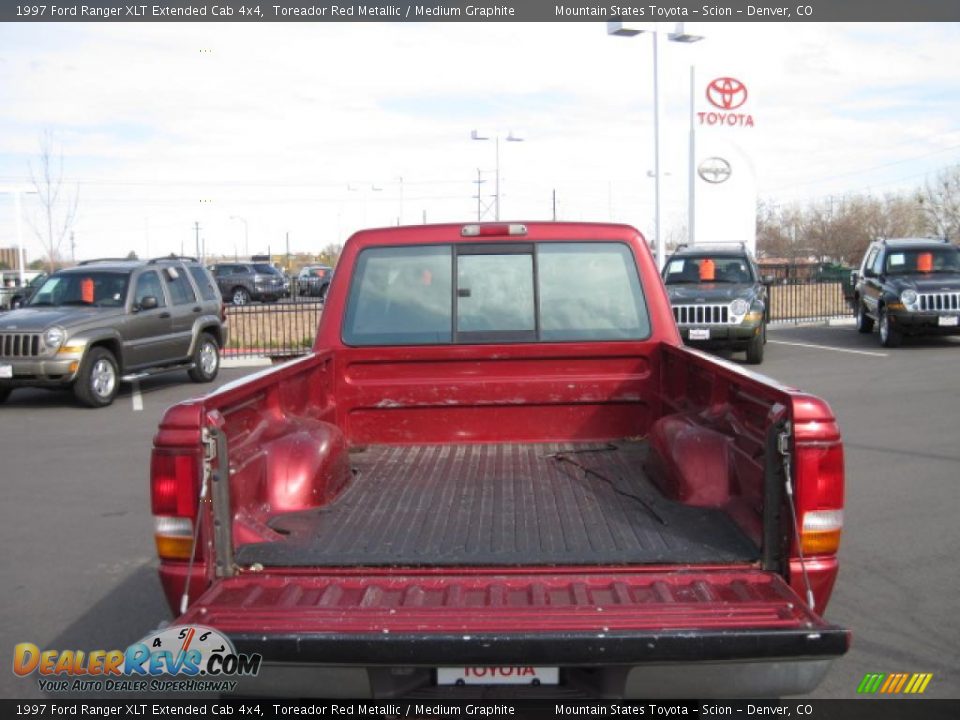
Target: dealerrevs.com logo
(197,657)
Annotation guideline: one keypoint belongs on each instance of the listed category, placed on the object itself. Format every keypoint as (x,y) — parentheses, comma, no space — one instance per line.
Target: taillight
(820,531)
(819,489)
(174,498)
(223,312)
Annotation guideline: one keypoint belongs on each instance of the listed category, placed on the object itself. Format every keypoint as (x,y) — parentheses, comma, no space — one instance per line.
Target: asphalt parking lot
(76,527)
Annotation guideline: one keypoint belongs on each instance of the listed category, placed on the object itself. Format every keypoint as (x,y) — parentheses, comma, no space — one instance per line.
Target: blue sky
(318,130)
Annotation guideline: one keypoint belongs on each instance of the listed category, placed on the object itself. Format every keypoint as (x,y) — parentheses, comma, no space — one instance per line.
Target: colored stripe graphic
(894,683)
(920,683)
(870,683)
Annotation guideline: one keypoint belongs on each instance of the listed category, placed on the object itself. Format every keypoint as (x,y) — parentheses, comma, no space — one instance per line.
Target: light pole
(363,198)
(246,235)
(17,192)
(678,35)
(511,137)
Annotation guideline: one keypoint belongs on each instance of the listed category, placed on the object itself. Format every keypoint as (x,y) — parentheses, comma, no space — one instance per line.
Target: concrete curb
(842,322)
(244,362)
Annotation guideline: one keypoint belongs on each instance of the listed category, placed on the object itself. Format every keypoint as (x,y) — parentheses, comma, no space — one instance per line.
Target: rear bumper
(701,680)
(595,649)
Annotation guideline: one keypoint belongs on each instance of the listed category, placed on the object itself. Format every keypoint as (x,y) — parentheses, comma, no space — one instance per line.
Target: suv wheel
(99,379)
(889,336)
(755,348)
(206,360)
(240,296)
(864,321)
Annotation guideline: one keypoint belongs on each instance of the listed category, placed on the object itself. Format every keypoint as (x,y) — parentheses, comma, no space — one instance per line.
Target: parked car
(93,326)
(241,282)
(908,286)
(313,280)
(499,460)
(12,294)
(718,298)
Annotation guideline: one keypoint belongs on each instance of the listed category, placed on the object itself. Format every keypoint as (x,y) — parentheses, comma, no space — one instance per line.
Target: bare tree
(940,202)
(331,253)
(58,206)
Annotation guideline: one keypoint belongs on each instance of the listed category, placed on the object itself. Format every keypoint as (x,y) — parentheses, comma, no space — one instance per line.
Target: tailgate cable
(783,445)
(209,453)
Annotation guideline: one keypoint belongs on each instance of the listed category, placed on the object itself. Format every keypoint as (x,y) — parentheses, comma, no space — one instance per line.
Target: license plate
(505,675)
(947,320)
(6,371)
(700,333)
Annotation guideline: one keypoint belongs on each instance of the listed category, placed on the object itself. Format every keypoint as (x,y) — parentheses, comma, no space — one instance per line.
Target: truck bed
(501,504)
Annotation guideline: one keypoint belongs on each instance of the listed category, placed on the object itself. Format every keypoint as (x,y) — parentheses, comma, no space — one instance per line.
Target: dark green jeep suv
(105,321)
(908,286)
(718,299)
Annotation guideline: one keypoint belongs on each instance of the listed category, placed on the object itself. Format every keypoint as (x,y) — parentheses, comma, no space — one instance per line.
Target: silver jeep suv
(105,321)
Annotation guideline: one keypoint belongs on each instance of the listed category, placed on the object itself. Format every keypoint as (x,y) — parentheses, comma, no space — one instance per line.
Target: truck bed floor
(513,504)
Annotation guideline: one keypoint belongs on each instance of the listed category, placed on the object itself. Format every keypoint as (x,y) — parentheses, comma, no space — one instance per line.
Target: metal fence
(799,302)
(278,329)
(288,328)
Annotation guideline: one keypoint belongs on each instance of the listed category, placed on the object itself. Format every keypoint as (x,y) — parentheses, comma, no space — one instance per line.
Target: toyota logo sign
(726,93)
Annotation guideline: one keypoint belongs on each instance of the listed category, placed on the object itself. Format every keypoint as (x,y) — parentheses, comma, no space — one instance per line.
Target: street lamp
(511,137)
(363,198)
(17,192)
(678,35)
(246,235)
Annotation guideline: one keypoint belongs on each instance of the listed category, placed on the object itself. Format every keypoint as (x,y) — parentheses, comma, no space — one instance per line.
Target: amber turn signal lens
(820,543)
(173,548)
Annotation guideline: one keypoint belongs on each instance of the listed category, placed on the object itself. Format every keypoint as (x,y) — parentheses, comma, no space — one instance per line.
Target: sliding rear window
(495,292)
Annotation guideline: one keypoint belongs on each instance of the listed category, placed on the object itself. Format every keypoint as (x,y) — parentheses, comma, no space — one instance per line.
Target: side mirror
(867,272)
(149,302)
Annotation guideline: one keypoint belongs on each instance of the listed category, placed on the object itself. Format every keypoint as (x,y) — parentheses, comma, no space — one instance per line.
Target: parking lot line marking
(136,397)
(828,347)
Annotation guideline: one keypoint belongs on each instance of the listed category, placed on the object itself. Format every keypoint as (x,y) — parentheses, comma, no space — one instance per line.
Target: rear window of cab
(495,293)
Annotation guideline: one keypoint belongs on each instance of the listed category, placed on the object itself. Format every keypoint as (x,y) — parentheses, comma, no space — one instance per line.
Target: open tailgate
(392,617)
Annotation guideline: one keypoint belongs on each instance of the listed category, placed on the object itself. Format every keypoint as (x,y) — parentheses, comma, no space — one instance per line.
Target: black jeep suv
(717,297)
(908,286)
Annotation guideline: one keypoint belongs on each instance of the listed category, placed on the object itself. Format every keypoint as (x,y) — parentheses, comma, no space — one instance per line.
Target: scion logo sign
(726,94)
(714,170)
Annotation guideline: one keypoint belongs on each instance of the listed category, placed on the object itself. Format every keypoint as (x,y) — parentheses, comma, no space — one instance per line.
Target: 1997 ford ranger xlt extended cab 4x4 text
(500,455)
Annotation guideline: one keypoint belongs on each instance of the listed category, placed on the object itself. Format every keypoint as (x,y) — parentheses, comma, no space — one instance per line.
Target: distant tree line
(838,229)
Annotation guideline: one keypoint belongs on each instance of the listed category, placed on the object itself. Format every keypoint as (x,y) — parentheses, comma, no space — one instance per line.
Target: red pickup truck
(499,465)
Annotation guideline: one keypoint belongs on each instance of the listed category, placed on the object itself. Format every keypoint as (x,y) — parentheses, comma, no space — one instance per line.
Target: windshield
(94,289)
(708,269)
(923,260)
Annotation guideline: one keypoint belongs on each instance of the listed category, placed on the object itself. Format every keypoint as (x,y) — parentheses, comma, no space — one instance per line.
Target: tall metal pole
(496,211)
(656,153)
(692,170)
(16,210)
